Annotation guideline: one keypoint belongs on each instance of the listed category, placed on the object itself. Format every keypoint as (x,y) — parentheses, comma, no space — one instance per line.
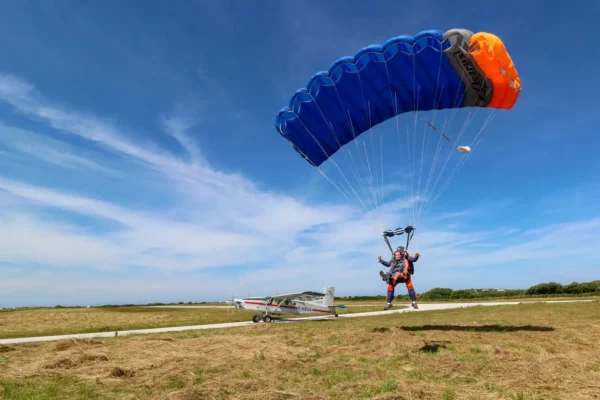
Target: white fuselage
(293,307)
(292,303)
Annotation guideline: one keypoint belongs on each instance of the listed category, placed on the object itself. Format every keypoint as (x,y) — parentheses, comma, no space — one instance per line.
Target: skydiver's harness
(410,231)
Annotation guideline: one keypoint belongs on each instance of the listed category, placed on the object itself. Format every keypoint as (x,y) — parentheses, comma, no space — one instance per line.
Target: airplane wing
(258,298)
(298,295)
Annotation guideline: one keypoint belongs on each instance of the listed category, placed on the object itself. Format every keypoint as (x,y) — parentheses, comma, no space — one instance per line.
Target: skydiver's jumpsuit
(399,269)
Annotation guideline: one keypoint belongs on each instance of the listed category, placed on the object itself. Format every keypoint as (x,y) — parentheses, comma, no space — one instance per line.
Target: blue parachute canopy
(378,83)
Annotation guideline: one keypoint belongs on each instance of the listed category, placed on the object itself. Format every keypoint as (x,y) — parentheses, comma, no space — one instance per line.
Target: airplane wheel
(267,318)
(256,319)
(336,315)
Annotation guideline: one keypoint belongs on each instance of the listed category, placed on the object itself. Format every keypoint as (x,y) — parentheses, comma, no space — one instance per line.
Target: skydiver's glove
(418,254)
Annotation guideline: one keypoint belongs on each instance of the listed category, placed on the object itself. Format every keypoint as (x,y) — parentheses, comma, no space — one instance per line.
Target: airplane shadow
(482,328)
(299,320)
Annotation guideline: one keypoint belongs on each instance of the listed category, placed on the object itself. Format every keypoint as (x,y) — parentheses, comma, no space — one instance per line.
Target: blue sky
(139,161)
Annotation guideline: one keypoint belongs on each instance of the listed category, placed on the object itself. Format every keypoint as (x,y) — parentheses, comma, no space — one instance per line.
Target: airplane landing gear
(265,317)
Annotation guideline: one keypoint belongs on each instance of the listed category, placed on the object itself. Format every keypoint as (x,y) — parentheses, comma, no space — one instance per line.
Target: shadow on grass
(482,328)
(432,347)
(301,319)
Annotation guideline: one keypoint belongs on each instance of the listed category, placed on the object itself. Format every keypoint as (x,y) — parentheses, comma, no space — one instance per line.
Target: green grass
(48,388)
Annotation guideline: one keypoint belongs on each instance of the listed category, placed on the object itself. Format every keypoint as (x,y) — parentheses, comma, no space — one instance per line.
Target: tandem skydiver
(401,268)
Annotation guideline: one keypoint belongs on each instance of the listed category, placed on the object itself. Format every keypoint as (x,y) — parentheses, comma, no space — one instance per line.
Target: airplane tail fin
(329,293)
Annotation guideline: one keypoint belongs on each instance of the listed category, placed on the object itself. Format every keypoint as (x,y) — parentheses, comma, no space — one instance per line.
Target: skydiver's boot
(412,295)
(385,277)
(388,306)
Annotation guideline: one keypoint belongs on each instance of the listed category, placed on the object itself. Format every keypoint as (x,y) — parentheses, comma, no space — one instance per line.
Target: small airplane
(291,303)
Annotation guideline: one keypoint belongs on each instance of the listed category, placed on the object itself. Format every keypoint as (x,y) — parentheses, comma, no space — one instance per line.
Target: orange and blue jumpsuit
(399,269)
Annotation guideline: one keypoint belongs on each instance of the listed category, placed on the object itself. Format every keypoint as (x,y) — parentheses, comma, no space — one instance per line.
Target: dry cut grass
(507,352)
(57,321)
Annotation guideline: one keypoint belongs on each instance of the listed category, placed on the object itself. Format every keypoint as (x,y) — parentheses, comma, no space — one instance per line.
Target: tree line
(543,289)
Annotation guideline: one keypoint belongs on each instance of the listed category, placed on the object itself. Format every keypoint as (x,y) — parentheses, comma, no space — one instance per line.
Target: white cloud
(34,145)
(178,125)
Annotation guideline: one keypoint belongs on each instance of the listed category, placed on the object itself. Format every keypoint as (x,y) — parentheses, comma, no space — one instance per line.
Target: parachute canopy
(432,70)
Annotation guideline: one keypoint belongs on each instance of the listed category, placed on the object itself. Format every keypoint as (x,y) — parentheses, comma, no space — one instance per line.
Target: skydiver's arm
(412,258)
(386,263)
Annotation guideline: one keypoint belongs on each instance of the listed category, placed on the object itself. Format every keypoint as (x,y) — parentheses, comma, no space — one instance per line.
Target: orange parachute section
(491,57)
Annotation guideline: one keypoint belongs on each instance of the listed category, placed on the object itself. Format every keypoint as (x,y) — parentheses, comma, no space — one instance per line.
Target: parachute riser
(409,230)
(388,244)
(409,238)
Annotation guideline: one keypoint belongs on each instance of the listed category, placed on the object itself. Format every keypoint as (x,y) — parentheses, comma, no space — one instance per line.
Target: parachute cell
(429,71)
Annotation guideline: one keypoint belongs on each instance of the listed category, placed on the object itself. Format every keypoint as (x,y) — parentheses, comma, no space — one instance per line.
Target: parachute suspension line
(367,108)
(447,123)
(382,187)
(350,159)
(375,172)
(436,159)
(333,161)
(436,101)
(416,97)
(363,167)
(451,152)
(470,117)
(351,126)
(400,145)
(373,184)
(356,168)
(344,150)
(463,160)
(412,199)
(433,164)
(339,189)
(392,98)
(413,158)
(370,177)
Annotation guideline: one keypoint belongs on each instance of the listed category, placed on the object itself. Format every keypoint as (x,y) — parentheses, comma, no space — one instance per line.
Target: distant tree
(555,288)
(572,288)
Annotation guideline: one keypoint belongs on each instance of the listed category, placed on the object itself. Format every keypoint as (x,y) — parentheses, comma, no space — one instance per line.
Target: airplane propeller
(232,302)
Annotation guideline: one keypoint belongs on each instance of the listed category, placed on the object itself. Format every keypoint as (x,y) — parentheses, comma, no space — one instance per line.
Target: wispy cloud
(33,145)
(178,125)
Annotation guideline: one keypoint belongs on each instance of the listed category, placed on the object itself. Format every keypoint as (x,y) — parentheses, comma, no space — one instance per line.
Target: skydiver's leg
(396,277)
(390,296)
(384,277)
(411,292)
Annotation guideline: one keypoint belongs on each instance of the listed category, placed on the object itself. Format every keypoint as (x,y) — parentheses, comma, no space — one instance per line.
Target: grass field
(538,351)
(58,321)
